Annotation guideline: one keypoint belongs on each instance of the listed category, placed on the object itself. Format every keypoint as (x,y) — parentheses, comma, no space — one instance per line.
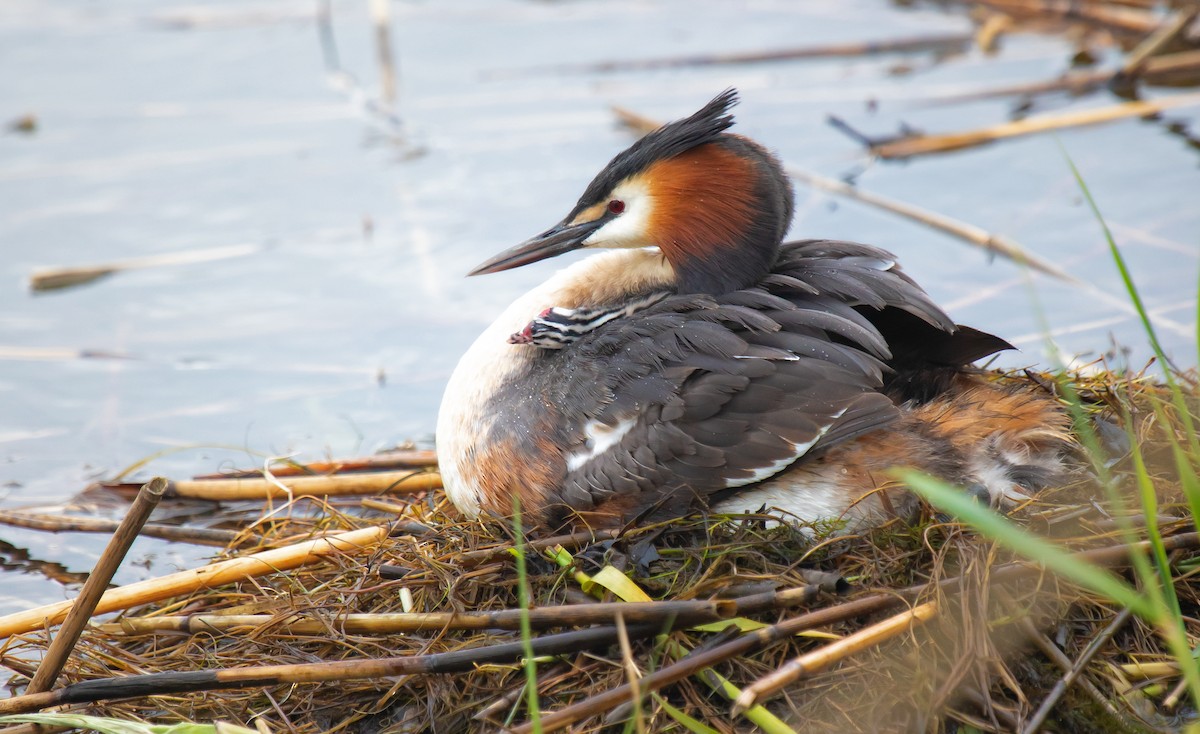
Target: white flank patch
(806,498)
(798,450)
(600,438)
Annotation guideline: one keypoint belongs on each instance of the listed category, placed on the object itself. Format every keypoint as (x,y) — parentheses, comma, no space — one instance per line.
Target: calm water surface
(171,127)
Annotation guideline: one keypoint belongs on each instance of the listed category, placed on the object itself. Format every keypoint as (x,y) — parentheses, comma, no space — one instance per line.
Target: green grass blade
(1149,500)
(531,694)
(1139,306)
(692,724)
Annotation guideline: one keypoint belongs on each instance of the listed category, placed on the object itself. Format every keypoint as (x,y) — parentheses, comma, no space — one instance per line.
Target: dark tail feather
(926,359)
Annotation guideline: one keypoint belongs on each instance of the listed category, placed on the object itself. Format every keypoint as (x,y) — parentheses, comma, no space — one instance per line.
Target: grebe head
(717,205)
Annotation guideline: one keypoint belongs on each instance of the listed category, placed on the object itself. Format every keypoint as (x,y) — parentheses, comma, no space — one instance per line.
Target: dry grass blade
(222,572)
(822,658)
(994,243)
(926,144)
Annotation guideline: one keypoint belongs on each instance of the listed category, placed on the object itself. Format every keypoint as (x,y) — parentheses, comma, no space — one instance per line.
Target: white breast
(492,362)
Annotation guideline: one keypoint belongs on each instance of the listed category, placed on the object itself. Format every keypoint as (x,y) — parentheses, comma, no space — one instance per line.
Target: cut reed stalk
(251,488)
(84,605)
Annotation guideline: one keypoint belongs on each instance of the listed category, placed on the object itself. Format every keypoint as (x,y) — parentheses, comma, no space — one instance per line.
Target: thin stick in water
(66,524)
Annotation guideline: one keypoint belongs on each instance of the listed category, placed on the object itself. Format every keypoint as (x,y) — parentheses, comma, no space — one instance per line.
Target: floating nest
(977,637)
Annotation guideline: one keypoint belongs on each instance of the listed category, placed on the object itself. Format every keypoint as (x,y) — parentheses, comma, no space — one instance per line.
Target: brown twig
(66,524)
(1160,39)
(1059,658)
(1039,717)
(458,661)
(93,589)
(995,243)
(215,574)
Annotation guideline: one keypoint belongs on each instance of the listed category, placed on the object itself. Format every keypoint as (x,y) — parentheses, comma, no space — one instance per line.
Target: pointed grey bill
(560,238)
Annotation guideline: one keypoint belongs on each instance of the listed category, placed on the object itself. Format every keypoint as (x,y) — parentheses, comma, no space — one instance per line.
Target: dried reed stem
(386,460)
(925,144)
(255,488)
(571,540)
(1160,39)
(185,582)
(93,589)
(571,615)
(823,657)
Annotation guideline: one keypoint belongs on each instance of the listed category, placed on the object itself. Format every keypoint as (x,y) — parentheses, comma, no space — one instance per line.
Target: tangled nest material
(981,661)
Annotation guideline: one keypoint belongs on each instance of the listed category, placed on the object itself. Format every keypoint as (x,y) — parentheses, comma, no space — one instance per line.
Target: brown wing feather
(699,395)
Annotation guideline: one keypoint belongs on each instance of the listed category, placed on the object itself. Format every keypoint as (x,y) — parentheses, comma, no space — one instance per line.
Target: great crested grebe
(706,364)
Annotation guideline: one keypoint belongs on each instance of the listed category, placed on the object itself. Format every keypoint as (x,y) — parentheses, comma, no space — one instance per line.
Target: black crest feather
(703,126)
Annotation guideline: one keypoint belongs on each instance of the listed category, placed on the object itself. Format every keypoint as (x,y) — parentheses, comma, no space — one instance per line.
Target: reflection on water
(164,129)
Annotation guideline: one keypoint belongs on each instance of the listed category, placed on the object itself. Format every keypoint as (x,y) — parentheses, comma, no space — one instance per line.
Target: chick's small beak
(560,238)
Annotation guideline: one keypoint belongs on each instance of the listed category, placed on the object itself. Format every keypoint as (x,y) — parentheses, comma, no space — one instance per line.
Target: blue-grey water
(167,127)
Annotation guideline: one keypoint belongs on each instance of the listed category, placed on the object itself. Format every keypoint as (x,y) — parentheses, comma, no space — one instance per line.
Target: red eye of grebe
(616,206)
